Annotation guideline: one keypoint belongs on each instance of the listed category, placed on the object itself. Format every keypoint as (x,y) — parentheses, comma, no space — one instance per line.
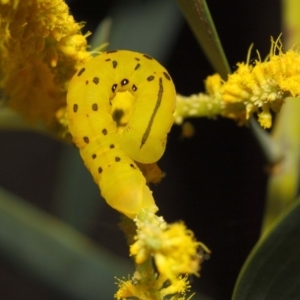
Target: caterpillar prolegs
(108,146)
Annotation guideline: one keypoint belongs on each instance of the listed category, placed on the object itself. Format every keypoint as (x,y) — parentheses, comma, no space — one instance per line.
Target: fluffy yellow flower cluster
(174,252)
(130,288)
(257,88)
(40,49)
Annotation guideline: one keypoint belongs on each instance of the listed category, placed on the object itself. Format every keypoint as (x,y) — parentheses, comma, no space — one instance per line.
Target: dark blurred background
(215,180)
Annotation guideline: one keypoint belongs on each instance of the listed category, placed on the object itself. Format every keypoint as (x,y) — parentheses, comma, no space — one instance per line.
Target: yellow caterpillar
(108,147)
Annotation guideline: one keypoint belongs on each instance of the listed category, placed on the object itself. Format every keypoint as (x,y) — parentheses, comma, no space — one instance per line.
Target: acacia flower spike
(260,87)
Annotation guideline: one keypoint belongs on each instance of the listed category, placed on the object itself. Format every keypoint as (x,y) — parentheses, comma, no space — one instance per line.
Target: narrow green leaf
(198,16)
(272,271)
(10,120)
(55,254)
(77,198)
(283,185)
(146,26)
(271,149)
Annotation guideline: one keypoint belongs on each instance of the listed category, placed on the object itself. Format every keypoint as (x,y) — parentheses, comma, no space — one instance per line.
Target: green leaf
(53,253)
(198,16)
(145,26)
(271,149)
(77,198)
(283,184)
(272,271)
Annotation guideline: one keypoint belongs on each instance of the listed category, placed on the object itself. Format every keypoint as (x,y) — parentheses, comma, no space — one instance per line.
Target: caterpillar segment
(108,150)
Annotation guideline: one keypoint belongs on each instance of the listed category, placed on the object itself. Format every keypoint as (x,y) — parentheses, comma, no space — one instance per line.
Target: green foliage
(272,271)
(198,16)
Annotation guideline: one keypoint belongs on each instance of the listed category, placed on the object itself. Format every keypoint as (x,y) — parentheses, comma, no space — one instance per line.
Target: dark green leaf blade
(54,254)
(272,271)
(198,16)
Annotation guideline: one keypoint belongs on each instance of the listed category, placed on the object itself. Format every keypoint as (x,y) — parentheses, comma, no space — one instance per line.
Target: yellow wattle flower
(41,47)
(173,247)
(258,88)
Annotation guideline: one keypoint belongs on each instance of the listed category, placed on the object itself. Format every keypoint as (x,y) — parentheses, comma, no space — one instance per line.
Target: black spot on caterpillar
(108,151)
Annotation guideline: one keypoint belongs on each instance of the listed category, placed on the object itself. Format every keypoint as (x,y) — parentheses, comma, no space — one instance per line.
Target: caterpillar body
(109,149)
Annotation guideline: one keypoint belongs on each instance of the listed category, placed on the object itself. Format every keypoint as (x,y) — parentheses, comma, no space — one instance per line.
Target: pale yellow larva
(109,154)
